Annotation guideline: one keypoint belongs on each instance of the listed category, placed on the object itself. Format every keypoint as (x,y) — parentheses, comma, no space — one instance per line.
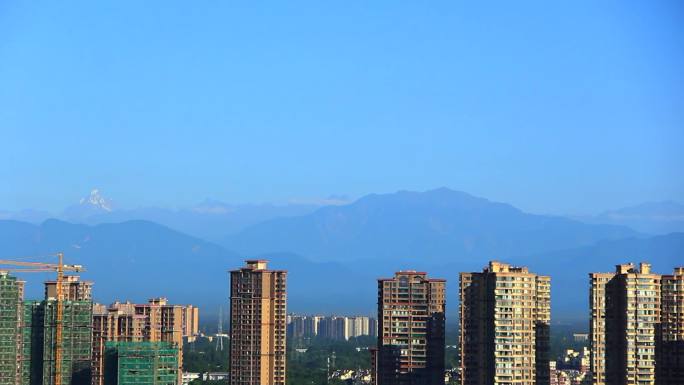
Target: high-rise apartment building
(625,322)
(637,326)
(303,326)
(504,317)
(358,326)
(410,330)
(155,321)
(334,328)
(670,352)
(11,311)
(257,325)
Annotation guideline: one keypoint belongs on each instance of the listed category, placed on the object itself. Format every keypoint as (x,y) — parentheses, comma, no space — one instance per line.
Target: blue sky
(559,107)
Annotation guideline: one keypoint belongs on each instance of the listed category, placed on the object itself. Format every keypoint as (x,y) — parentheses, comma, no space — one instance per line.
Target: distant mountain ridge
(436,225)
(650,217)
(130,260)
(219,221)
(210,219)
(137,260)
(333,251)
(569,269)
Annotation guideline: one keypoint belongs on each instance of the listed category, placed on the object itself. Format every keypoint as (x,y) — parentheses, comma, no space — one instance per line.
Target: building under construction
(137,363)
(32,331)
(38,336)
(76,342)
(11,298)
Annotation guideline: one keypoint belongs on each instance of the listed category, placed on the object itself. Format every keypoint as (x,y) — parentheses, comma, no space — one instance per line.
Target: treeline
(323,356)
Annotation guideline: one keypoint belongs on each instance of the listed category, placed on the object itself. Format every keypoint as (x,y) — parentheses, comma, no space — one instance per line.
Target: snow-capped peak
(97,200)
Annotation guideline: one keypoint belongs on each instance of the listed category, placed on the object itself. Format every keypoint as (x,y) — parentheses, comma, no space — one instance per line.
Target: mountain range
(133,260)
(435,225)
(338,251)
(218,221)
(210,219)
(650,217)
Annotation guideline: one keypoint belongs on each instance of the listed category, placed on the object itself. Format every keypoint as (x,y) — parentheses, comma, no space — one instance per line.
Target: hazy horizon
(332,199)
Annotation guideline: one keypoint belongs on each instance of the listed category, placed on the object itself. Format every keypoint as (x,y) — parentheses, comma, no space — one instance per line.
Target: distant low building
(580,337)
(576,360)
(189,377)
(216,376)
(331,327)
(553,374)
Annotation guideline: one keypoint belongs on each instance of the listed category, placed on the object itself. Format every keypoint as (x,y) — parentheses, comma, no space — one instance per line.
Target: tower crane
(59,268)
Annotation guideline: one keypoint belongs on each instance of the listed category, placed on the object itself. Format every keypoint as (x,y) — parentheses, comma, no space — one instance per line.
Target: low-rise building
(189,377)
(216,376)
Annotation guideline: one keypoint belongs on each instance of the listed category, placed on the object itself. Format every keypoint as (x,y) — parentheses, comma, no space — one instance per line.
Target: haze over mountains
(651,217)
(210,219)
(435,225)
(130,260)
(335,251)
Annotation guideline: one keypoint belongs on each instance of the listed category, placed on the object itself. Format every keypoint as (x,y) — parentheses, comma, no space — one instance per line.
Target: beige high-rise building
(625,317)
(505,314)
(257,325)
(190,322)
(155,321)
(411,333)
(637,326)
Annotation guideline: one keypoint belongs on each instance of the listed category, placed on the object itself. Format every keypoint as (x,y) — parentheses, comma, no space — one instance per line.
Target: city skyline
(76,287)
(341,193)
(411,328)
(562,315)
